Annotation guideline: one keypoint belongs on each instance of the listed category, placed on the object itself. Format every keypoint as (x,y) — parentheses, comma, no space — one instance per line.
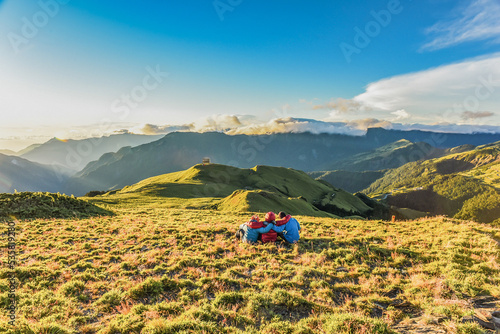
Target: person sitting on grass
(250,231)
(270,236)
(287,228)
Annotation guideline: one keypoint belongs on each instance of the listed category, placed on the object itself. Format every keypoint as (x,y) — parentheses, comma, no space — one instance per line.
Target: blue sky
(85,67)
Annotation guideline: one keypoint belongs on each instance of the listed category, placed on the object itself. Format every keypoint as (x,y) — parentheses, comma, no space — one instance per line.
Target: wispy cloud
(152,129)
(470,115)
(478,21)
(340,106)
(440,93)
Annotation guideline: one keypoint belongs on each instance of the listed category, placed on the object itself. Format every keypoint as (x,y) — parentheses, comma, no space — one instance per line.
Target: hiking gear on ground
(239,234)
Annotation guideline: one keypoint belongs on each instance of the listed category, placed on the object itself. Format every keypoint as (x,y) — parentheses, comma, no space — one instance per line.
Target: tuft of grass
(28,205)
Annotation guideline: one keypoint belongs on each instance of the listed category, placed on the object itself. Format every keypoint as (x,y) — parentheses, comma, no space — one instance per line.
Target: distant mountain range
(76,154)
(23,175)
(302,151)
(350,162)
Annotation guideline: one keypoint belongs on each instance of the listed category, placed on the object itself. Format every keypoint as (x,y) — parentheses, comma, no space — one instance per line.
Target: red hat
(270,216)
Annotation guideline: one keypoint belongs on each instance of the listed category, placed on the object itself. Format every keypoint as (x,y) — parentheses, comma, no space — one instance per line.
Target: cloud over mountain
(251,126)
(441,93)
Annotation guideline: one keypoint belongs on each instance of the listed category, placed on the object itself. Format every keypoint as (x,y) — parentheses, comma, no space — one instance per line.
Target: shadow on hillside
(184,191)
(425,201)
(453,166)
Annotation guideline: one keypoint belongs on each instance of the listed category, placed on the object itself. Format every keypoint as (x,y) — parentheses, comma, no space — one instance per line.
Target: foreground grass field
(180,271)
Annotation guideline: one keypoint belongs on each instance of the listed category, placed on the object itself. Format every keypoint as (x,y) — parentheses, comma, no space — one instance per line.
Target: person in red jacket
(270,236)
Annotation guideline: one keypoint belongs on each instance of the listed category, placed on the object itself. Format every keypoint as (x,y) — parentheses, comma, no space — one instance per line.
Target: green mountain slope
(263,201)
(226,188)
(464,185)
(348,180)
(361,170)
(389,156)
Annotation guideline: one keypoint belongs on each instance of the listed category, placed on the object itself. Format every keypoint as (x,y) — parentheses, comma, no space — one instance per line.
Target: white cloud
(478,21)
(440,93)
(290,124)
(152,129)
(401,114)
(356,127)
(218,122)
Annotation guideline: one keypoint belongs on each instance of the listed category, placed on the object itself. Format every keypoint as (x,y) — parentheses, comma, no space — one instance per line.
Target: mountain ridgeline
(303,151)
(23,175)
(74,155)
(463,185)
(258,189)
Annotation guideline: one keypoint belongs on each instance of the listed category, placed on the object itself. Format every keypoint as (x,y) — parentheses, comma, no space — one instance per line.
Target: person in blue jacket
(287,228)
(250,231)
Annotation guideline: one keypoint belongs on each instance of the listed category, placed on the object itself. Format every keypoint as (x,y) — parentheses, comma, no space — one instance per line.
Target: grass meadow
(163,270)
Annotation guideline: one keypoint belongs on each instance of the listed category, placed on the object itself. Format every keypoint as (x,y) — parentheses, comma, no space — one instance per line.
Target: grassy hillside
(227,188)
(464,185)
(29,205)
(348,180)
(180,271)
(388,156)
(263,201)
(361,170)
